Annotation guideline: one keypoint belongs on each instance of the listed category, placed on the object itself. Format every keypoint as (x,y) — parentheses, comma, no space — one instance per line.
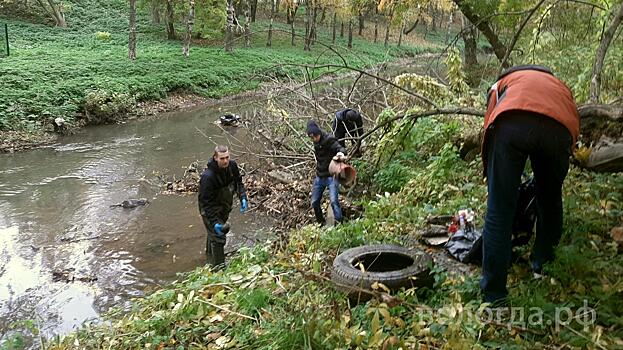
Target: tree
(350,34)
(483,24)
(468,33)
(56,11)
(170,20)
(229,30)
(601,53)
(190,20)
(132,38)
(211,18)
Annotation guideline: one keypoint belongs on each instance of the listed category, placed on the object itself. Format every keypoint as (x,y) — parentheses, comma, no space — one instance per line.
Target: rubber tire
(345,275)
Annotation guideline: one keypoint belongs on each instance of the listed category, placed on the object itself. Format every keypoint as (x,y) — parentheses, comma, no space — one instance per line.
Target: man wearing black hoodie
(347,122)
(326,148)
(216,190)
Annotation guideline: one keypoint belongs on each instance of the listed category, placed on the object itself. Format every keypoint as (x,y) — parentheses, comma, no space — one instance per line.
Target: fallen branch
(227,310)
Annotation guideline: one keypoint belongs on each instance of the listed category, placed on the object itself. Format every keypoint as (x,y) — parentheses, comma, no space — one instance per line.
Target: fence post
(6,35)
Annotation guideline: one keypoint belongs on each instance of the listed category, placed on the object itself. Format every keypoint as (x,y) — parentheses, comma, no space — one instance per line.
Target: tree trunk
(269,42)
(56,11)
(313,27)
(170,14)
(400,35)
(469,38)
(306,46)
(229,30)
(342,29)
(376,28)
(277,6)
(412,28)
(334,27)
(190,21)
(247,31)
(291,13)
(132,38)
(155,12)
(449,24)
(483,25)
(323,15)
(293,33)
(387,33)
(361,23)
(253,10)
(606,39)
(350,34)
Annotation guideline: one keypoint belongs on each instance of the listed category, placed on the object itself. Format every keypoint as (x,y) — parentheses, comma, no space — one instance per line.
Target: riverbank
(279,296)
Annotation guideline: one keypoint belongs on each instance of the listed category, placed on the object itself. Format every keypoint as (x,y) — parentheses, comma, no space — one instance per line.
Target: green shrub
(104,107)
(103,36)
(392,177)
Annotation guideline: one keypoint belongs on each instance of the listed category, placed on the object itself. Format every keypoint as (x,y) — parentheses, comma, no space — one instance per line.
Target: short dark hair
(220,149)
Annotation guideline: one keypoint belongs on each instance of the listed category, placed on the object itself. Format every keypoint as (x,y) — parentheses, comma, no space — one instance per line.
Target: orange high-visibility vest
(533,91)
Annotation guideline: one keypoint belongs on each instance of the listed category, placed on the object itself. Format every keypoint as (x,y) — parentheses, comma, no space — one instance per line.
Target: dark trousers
(215,245)
(513,139)
(320,183)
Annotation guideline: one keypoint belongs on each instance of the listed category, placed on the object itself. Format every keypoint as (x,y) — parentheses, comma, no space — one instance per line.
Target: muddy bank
(15,141)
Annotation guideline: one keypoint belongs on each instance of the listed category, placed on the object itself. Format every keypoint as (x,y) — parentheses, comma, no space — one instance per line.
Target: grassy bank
(56,72)
(282,299)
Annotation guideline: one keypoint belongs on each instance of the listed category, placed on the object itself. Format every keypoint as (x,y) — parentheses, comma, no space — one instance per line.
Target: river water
(56,223)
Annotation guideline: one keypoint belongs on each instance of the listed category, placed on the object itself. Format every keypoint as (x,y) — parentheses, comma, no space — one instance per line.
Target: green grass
(51,70)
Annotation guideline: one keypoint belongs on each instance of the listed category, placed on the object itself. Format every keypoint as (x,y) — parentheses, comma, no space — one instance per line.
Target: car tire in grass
(392,265)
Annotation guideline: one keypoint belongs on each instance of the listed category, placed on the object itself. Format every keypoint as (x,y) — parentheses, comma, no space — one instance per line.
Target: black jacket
(216,189)
(325,150)
(342,124)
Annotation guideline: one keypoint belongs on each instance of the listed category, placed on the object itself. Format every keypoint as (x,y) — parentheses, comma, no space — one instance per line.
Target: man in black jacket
(326,148)
(347,123)
(216,189)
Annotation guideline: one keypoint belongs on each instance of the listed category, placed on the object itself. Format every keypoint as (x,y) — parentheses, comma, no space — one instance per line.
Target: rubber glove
(244,205)
(339,157)
(218,229)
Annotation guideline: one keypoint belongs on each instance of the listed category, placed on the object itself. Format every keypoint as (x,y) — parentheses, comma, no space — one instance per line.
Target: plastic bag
(466,243)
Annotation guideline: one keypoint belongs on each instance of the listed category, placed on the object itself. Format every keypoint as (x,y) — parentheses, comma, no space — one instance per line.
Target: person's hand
(218,229)
(339,157)
(244,205)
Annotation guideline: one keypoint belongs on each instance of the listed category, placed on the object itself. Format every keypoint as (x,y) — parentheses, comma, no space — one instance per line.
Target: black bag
(466,245)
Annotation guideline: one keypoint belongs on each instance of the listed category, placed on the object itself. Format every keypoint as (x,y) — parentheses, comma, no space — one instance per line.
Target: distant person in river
(219,181)
(530,114)
(347,123)
(326,148)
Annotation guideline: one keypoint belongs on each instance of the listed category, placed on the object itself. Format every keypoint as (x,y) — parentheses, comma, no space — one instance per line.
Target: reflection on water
(56,217)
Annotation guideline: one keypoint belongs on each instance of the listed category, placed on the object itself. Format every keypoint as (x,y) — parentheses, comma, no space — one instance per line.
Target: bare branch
(509,49)
(601,54)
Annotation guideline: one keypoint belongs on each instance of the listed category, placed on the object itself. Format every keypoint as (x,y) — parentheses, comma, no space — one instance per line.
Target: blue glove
(218,229)
(244,205)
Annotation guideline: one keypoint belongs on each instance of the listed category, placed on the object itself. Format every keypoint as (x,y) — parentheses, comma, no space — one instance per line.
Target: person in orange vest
(530,115)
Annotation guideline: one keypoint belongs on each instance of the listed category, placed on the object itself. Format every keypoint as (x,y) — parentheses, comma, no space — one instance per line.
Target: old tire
(392,265)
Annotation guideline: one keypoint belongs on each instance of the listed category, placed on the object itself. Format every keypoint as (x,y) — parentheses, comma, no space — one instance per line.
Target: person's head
(313,131)
(351,115)
(221,156)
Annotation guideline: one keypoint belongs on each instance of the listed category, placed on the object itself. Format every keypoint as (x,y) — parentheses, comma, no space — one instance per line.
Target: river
(57,223)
